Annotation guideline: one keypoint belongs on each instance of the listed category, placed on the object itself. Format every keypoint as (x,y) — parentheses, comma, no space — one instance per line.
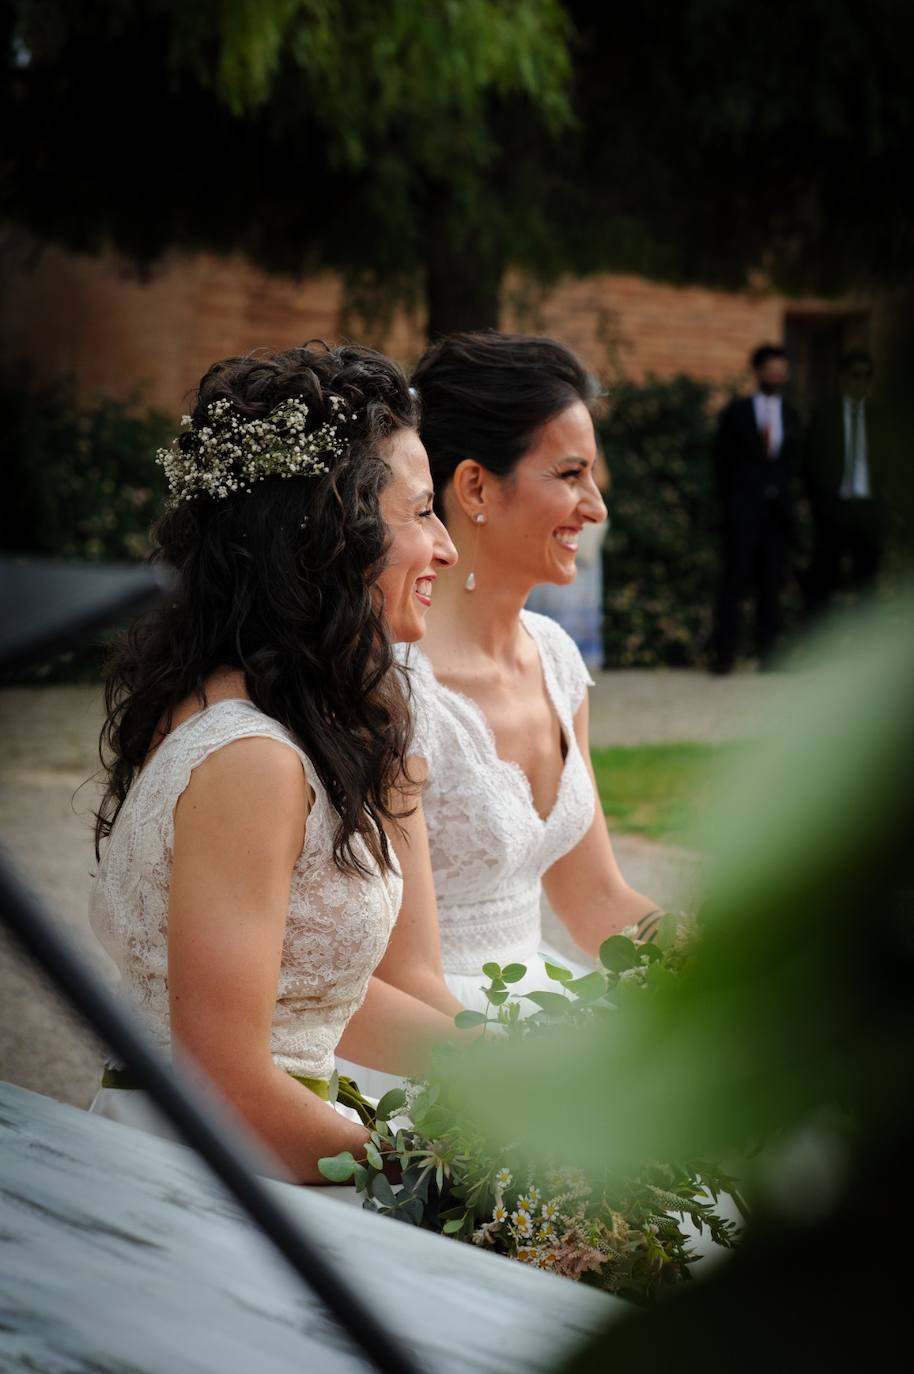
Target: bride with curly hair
(255,829)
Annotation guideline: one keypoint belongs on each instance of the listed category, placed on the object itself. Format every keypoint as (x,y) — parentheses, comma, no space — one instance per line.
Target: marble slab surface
(120,1252)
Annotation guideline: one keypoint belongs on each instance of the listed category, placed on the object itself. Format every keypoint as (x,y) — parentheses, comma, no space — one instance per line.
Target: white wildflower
(522,1223)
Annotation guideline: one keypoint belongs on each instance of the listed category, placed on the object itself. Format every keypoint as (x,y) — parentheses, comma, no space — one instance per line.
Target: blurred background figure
(578,606)
(754,456)
(843,461)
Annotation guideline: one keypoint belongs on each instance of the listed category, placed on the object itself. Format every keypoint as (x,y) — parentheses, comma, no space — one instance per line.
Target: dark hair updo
(487,395)
(275,579)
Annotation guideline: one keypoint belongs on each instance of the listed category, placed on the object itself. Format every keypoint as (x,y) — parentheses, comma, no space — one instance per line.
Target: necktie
(768,427)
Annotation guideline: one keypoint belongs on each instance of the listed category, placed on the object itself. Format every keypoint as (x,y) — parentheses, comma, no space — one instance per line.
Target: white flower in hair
(229,453)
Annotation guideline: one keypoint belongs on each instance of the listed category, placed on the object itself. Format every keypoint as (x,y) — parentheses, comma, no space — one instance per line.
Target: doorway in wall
(815,340)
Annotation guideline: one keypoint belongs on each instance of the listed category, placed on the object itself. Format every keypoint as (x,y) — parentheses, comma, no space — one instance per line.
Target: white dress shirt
(769,416)
(856,483)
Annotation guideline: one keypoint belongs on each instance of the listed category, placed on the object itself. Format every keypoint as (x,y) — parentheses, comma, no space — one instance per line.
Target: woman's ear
(469,487)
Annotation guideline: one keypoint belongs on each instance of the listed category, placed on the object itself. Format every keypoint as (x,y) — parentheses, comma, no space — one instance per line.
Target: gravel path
(47,752)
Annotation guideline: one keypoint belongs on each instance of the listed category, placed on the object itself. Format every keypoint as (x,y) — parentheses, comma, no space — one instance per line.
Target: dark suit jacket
(746,477)
(824,456)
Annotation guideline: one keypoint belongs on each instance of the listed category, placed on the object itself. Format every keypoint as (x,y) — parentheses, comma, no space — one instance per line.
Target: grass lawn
(656,790)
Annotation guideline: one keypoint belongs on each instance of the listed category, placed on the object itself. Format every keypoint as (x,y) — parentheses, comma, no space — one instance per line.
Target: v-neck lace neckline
(510,765)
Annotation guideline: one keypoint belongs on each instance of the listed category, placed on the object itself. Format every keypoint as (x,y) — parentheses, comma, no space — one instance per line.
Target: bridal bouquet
(623,1234)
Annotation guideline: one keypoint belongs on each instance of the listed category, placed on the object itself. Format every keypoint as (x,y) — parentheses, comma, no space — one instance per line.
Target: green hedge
(660,563)
(81,481)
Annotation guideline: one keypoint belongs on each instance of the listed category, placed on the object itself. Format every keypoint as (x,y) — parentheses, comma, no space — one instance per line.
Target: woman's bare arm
(585,887)
(239,827)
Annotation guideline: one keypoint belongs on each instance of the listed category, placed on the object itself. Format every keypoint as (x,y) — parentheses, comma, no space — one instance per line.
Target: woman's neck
(485,620)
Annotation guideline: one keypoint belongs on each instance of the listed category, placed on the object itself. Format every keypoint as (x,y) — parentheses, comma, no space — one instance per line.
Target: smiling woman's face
(548,499)
(419,543)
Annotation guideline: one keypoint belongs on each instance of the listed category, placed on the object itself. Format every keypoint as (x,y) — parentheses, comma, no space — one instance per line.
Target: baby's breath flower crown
(228,453)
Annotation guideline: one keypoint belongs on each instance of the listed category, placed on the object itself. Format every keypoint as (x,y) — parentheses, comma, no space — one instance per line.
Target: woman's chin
(407,632)
(563,576)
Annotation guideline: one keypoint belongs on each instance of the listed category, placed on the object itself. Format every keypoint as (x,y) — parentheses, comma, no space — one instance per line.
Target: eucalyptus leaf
(496,998)
(557,973)
(513,973)
(409,1209)
(373,1155)
(589,987)
(360,1177)
(553,1002)
(382,1192)
(618,953)
(451,1228)
(338,1168)
(492,970)
(465,1019)
(416,1182)
(390,1104)
(433,1122)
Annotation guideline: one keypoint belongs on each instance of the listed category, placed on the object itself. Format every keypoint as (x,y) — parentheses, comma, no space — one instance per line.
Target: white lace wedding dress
(489,845)
(338,924)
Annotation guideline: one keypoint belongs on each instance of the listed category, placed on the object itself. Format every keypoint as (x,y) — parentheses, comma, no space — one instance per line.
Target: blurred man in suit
(842,469)
(755,456)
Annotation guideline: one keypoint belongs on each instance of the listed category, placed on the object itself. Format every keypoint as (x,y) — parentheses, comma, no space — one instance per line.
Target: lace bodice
(489,846)
(338,924)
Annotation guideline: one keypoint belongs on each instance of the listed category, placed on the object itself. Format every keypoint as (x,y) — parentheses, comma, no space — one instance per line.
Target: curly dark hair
(486,396)
(277,582)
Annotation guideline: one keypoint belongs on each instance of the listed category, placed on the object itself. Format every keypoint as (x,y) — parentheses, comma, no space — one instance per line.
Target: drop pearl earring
(470,583)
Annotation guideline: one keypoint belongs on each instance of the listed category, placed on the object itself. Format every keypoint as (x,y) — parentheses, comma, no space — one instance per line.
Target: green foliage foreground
(632,1234)
(793,1031)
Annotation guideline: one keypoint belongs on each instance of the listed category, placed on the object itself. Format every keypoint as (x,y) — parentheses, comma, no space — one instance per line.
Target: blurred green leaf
(618,953)
(557,973)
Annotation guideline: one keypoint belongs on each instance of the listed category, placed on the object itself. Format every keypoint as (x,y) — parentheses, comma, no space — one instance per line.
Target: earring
(470,583)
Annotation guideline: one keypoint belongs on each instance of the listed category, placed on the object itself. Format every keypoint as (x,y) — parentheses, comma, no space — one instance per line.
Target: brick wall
(117,335)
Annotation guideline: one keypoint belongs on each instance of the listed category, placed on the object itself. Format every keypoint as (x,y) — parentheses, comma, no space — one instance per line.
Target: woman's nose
(593,507)
(445,553)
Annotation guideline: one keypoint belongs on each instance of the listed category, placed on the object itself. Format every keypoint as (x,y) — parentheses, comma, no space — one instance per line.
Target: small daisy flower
(526,1254)
(503,1179)
(549,1211)
(534,1194)
(500,1212)
(525,1204)
(522,1223)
